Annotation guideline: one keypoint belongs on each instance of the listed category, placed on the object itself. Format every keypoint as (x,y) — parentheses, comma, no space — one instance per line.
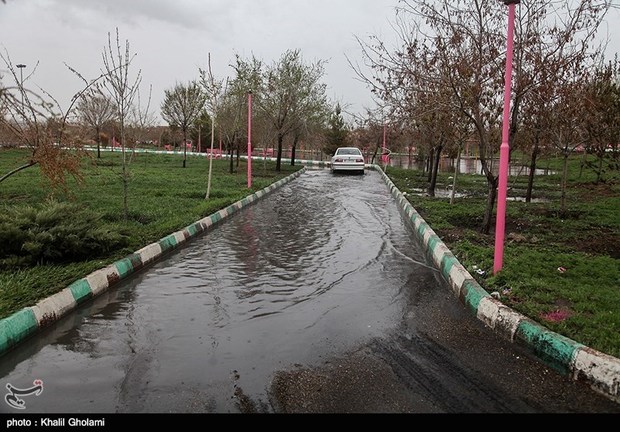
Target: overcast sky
(172,38)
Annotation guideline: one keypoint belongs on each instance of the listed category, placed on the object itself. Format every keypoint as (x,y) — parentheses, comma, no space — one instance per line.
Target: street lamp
(504,154)
(384,157)
(249,139)
(21,67)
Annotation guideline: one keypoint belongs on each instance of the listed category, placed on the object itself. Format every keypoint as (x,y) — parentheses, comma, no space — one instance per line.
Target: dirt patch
(595,191)
(360,383)
(599,243)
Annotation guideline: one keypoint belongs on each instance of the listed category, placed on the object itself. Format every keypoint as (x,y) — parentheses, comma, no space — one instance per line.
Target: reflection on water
(467,165)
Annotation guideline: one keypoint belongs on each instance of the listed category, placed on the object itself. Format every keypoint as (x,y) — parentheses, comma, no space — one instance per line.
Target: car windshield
(348,151)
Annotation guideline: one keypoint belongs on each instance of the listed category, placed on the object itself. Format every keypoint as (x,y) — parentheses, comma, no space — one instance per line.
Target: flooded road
(314,299)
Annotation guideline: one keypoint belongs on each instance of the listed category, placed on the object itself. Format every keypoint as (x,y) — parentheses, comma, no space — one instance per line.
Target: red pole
(249,140)
(504,154)
(384,157)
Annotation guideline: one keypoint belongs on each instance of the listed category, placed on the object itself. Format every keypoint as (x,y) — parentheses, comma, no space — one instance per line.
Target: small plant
(54,233)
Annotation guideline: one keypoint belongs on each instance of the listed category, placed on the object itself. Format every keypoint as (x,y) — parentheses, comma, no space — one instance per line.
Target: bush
(54,233)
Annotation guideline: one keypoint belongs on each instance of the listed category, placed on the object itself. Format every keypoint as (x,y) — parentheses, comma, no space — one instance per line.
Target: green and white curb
(600,371)
(24,323)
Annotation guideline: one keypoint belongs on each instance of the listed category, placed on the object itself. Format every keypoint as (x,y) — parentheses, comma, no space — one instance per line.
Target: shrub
(54,233)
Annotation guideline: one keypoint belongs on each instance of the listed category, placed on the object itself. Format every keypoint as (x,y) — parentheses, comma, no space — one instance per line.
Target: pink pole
(384,157)
(504,154)
(384,136)
(249,140)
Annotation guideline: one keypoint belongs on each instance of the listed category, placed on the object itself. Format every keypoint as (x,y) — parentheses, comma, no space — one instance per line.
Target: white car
(348,159)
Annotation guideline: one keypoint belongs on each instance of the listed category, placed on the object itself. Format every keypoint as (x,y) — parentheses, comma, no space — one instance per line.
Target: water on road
(246,317)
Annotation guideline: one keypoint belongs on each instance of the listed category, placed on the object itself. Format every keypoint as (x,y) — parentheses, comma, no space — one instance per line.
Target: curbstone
(555,350)
(16,328)
(54,307)
(81,291)
(101,280)
(600,371)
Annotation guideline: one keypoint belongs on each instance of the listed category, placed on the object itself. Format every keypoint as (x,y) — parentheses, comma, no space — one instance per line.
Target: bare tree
(140,119)
(213,89)
(567,131)
(459,46)
(123,89)
(35,119)
(232,113)
(336,132)
(181,106)
(601,117)
(95,110)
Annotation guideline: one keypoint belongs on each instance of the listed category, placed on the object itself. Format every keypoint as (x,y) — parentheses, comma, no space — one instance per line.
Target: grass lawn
(561,270)
(163,198)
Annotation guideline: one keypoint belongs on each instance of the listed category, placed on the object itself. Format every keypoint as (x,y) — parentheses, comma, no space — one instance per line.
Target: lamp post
(249,139)
(384,154)
(504,153)
(21,67)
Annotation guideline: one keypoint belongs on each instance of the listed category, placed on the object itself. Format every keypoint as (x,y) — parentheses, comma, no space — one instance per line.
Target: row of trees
(289,100)
(441,89)
(444,83)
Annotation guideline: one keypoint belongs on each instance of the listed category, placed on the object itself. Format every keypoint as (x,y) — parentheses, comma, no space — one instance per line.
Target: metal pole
(21,67)
(384,157)
(504,155)
(249,140)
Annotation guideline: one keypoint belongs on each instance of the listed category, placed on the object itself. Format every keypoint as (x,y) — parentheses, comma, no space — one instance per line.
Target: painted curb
(600,371)
(26,322)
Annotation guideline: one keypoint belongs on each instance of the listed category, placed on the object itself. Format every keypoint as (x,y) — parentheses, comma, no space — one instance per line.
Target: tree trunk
(530,180)
(583,163)
(563,184)
(125,177)
(599,176)
(279,158)
(456,171)
(210,155)
(488,211)
(295,139)
(434,171)
(184,147)
(98,143)
(429,163)
(231,154)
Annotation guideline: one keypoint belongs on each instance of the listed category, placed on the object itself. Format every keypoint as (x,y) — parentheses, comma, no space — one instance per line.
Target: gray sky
(172,38)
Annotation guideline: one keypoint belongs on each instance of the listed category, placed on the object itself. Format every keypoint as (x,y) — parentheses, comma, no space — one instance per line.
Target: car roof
(348,148)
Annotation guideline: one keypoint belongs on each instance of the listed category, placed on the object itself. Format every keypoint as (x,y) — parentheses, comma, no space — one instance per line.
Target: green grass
(585,241)
(164,197)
